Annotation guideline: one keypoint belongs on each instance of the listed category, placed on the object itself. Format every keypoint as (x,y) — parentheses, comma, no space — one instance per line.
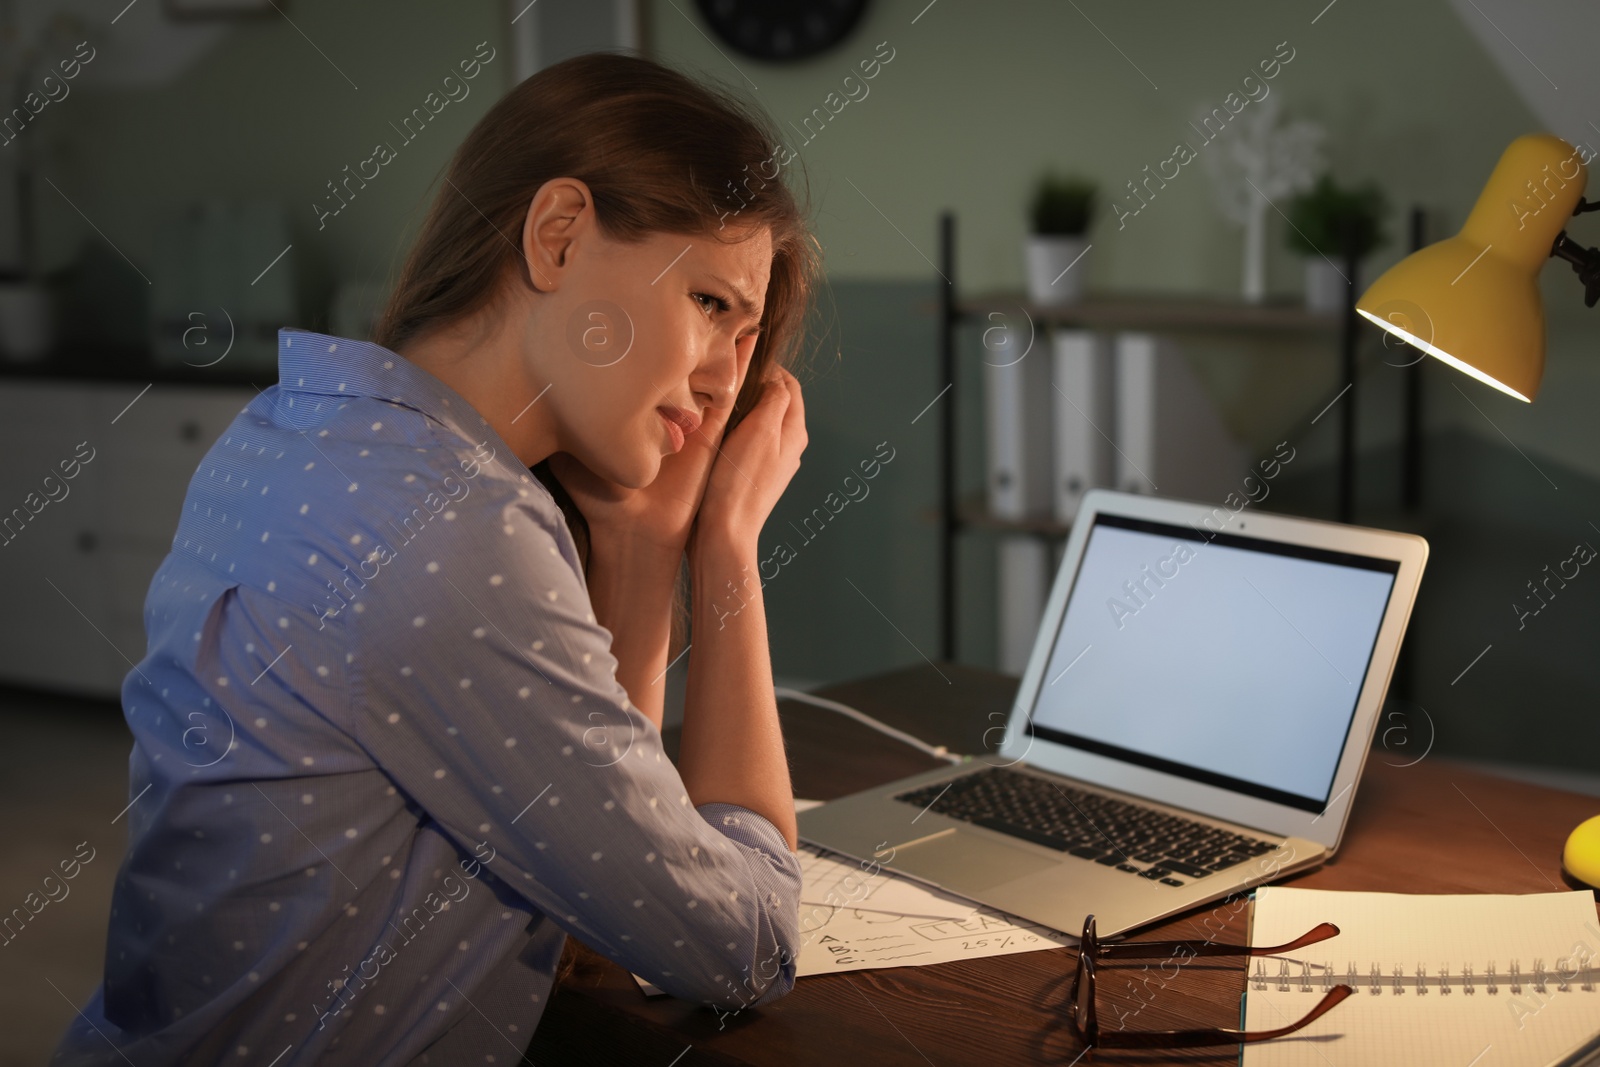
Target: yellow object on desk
(1581,857)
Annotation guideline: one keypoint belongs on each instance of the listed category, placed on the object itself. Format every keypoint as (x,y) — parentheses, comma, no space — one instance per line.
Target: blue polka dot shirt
(382,764)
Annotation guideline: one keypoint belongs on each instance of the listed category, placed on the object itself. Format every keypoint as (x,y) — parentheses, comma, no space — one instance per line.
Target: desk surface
(1430,827)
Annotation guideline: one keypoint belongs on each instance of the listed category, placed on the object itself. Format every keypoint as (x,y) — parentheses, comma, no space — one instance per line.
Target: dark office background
(1420,97)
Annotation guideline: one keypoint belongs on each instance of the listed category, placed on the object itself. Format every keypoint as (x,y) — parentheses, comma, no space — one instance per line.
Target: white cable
(785,693)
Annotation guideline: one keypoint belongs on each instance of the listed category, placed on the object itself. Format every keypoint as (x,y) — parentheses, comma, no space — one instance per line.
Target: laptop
(1193,720)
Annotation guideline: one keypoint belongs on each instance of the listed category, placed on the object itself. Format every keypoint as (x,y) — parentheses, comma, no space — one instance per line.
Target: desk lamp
(1472,301)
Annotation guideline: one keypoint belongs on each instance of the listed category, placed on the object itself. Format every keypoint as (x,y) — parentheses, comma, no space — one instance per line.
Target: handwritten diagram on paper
(898,922)
(855,916)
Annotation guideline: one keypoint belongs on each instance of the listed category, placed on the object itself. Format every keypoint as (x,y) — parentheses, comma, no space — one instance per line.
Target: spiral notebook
(1454,980)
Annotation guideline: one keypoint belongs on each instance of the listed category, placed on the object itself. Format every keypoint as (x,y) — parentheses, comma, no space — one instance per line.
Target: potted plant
(1059,217)
(1321,219)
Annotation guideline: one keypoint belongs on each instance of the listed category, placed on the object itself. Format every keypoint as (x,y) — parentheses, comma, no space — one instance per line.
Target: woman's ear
(560,213)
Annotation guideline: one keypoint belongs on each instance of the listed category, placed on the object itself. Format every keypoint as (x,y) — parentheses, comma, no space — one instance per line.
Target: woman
(397,731)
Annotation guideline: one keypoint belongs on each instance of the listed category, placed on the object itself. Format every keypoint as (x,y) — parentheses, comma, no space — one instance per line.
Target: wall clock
(779,30)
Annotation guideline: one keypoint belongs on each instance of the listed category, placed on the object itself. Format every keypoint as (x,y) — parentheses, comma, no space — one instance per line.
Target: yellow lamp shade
(1473,300)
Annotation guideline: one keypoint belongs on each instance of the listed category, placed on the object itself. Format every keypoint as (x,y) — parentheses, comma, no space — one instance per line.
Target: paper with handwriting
(855,916)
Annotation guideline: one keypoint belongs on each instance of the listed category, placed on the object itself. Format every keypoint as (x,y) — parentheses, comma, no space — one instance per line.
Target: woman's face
(633,329)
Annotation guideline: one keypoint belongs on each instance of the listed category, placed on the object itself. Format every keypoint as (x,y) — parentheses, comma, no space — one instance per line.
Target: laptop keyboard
(1141,841)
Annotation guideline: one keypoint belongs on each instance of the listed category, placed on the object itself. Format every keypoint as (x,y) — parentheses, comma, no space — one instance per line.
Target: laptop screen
(1230,660)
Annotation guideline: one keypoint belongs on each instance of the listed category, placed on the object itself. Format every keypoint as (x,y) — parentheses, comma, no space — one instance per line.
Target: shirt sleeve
(482,684)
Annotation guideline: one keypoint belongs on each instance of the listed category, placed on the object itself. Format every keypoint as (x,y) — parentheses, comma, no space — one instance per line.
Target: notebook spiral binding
(1568,975)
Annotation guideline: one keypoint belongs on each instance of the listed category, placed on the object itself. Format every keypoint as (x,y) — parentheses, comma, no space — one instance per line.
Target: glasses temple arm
(1177,1038)
(1146,949)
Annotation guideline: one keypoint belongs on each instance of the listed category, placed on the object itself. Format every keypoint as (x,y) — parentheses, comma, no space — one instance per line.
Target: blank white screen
(1242,663)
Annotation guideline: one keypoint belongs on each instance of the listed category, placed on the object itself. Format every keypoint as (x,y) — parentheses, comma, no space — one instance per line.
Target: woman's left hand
(661,514)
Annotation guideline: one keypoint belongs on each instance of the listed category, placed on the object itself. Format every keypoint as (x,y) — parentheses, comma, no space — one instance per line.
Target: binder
(1023,585)
(225,283)
(1171,441)
(1084,399)
(1017,409)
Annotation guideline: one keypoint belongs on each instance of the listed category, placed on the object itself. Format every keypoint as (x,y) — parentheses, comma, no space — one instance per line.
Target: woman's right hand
(754,465)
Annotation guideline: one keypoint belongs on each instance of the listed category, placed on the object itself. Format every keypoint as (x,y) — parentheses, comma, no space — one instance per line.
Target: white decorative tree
(1254,162)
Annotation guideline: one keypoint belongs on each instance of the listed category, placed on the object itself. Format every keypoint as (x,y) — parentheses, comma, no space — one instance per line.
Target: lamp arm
(1586,205)
(1585,263)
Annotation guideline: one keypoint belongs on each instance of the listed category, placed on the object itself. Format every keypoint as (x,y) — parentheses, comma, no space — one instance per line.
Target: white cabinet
(74,575)
(54,595)
(160,439)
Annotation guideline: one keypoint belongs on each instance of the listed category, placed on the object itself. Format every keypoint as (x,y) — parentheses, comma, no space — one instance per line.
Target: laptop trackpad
(967,861)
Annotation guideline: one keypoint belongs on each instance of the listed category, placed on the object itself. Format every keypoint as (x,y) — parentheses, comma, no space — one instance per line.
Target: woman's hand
(755,464)
(660,515)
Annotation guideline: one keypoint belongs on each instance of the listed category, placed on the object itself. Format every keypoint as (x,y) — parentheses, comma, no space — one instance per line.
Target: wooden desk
(1433,827)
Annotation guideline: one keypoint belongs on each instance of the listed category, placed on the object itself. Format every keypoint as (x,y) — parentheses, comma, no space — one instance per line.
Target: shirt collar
(328,365)
(321,363)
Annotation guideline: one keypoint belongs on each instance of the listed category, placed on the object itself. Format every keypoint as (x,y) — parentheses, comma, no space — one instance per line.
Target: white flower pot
(1047,258)
(27,325)
(1326,290)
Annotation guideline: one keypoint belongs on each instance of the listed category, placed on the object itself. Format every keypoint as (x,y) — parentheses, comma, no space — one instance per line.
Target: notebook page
(1457,1028)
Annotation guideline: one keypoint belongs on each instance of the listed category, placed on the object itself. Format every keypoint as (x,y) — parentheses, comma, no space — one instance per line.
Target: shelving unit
(1187,314)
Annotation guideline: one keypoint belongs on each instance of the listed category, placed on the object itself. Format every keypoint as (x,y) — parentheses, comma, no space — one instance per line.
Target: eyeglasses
(1090,950)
